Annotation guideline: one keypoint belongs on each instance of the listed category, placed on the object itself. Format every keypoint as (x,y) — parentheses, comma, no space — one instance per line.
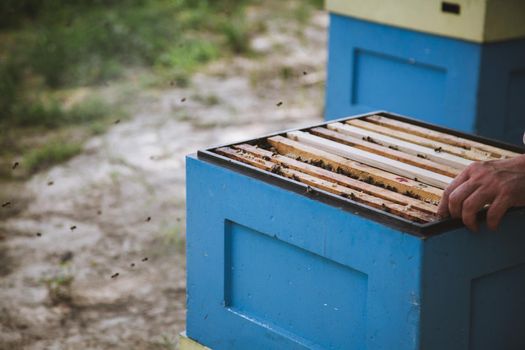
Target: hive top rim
(422,230)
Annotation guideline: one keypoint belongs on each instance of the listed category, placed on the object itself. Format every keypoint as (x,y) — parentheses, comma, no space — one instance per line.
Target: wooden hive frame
(378,163)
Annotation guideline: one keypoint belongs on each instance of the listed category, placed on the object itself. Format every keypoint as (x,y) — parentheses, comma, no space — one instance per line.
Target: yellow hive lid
(473,20)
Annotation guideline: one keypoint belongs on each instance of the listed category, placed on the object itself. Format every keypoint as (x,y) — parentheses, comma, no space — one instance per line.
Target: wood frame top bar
(408,147)
(361,171)
(440,136)
(338,178)
(380,184)
(386,151)
(372,159)
(401,210)
(418,140)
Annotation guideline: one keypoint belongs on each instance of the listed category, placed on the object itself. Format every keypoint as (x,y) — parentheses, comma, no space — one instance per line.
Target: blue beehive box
(460,64)
(277,263)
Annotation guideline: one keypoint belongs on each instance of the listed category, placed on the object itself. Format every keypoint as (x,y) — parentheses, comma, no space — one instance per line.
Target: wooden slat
(361,171)
(387,164)
(440,136)
(408,147)
(442,147)
(246,158)
(339,178)
(332,187)
(386,152)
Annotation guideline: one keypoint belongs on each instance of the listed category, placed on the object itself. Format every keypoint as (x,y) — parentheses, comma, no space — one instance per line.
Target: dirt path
(119,206)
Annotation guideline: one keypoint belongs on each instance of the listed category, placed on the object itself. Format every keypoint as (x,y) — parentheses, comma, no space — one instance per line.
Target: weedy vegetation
(48,49)
(175,237)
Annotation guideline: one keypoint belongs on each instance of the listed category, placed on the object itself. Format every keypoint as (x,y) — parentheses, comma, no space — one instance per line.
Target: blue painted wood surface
(462,85)
(474,288)
(271,269)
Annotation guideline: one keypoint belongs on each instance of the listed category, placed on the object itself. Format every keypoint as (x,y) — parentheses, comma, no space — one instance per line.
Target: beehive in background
(458,64)
(327,237)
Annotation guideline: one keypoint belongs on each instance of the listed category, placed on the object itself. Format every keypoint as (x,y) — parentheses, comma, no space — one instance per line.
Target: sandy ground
(119,206)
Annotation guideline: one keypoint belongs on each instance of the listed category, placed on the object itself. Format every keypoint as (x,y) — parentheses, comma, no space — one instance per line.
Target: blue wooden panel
(299,292)
(296,231)
(465,271)
(501,113)
(515,108)
(388,82)
(471,87)
(498,310)
(287,272)
(425,76)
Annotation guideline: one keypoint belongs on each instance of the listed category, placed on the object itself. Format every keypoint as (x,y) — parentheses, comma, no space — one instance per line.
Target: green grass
(236,32)
(51,114)
(48,47)
(51,153)
(207,100)
(59,286)
(97,128)
(167,342)
(185,57)
(174,236)
(318,4)
(43,135)
(68,44)
(75,50)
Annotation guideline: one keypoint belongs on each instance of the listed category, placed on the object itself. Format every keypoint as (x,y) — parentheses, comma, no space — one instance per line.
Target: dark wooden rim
(388,219)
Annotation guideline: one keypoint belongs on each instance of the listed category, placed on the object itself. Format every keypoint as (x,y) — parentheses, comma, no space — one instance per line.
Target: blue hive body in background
(276,267)
(459,64)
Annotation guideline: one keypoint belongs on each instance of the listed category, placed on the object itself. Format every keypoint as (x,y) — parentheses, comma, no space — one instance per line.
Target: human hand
(499,183)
